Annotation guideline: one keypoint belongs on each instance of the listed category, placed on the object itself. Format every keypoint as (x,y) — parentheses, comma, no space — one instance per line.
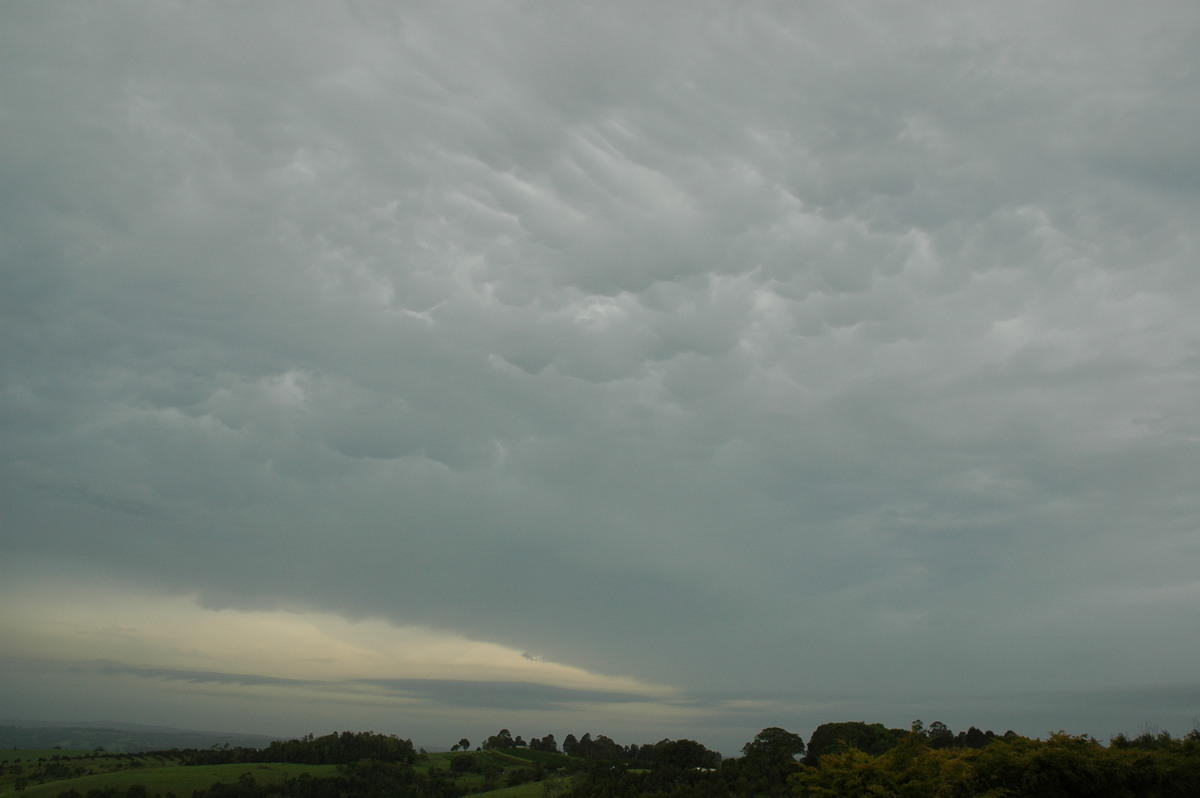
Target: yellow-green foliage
(1062,765)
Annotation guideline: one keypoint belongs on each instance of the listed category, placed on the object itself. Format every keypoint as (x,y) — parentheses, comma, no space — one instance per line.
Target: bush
(464,763)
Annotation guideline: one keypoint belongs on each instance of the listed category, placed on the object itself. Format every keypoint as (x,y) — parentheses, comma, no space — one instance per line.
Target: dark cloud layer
(799,349)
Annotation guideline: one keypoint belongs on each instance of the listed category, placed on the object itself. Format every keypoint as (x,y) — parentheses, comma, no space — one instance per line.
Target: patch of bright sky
(178,633)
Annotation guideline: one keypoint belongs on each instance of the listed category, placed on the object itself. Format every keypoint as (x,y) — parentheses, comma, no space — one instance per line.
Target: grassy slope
(508,759)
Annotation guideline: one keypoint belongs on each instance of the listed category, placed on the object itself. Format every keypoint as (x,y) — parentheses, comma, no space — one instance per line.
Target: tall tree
(774,745)
(585,746)
(939,735)
(501,739)
(684,755)
(833,737)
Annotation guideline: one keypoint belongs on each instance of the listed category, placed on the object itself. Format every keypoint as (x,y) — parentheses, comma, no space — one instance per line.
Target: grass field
(533,789)
(506,760)
(49,773)
(547,758)
(178,779)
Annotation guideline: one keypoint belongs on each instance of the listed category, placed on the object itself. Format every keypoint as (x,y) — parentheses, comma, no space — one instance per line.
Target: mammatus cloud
(822,357)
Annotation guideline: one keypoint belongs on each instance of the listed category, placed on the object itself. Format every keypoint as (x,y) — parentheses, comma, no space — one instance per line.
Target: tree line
(331,749)
(840,759)
(600,748)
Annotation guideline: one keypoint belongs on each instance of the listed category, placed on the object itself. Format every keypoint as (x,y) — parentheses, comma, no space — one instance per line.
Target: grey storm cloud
(789,348)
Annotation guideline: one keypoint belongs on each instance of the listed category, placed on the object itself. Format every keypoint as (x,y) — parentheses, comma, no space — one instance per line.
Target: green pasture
(32,766)
(501,759)
(60,771)
(504,760)
(179,779)
(532,789)
(547,758)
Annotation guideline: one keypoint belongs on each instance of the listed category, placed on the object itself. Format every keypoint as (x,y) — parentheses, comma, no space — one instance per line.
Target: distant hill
(117,737)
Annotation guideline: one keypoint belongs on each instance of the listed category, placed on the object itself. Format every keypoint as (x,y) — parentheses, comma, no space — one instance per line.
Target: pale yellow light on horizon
(176,632)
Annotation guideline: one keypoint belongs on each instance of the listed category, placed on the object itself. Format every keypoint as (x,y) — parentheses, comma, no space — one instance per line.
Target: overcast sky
(648,369)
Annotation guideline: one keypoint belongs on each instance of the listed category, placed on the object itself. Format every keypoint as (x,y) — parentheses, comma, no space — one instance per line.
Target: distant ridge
(116,736)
